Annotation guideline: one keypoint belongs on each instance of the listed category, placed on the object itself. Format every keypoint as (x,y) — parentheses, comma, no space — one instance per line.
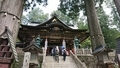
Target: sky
(52,6)
(107,10)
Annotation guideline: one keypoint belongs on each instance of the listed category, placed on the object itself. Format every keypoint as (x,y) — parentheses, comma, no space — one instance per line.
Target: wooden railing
(44,56)
(20,51)
(77,61)
(84,52)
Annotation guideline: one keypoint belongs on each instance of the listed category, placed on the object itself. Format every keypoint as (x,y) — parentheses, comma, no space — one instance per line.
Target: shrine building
(53,32)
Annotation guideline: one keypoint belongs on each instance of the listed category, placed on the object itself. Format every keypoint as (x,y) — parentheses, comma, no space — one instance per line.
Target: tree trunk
(93,24)
(95,31)
(10,15)
(117,3)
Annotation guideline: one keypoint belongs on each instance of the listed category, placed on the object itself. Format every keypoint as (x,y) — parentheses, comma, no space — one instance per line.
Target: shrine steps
(51,63)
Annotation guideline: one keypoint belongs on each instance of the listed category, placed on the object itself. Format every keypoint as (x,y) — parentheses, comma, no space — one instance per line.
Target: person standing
(64,53)
(57,55)
(61,48)
(52,52)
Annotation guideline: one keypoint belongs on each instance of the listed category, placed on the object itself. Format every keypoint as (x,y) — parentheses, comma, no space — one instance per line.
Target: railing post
(77,61)
(83,50)
(44,54)
(90,51)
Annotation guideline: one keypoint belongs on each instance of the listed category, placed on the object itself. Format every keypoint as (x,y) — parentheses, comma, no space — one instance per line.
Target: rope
(10,14)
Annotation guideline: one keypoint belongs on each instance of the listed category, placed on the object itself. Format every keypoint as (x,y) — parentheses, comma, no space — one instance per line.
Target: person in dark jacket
(64,54)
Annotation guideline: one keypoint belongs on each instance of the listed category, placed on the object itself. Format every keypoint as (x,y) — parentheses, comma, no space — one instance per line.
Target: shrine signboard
(26,60)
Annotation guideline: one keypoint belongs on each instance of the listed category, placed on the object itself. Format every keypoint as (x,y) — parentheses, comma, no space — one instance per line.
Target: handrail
(44,55)
(77,61)
(83,51)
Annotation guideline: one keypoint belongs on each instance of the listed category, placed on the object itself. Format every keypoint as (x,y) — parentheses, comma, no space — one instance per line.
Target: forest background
(106,11)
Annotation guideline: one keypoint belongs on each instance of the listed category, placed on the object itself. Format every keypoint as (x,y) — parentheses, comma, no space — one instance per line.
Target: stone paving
(51,63)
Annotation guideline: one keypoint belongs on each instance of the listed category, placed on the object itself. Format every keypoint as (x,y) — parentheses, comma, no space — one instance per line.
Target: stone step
(51,63)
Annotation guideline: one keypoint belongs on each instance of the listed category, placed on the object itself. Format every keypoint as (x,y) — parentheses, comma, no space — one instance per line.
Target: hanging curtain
(46,43)
(64,44)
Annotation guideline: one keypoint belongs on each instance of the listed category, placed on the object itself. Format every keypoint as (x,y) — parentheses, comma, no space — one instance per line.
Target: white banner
(64,44)
(74,48)
(46,43)
(118,57)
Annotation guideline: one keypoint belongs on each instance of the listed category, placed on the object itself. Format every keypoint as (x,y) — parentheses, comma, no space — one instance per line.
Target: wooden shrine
(7,49)
(35,51)
(54,30)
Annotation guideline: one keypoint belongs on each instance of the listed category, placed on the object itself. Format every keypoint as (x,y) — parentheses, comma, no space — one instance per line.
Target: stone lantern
(101,52)
(35,51)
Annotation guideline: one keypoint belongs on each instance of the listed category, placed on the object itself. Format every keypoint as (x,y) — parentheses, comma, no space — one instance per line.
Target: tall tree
(91,16)
(115,14)
(93,24)
(66,19)
(110,34)
(117,3)
(11,12)
(10,15)
(35,15)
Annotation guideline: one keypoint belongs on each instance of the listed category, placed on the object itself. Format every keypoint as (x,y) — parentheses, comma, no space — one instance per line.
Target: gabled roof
(4,34)
(54,21)
(33,46)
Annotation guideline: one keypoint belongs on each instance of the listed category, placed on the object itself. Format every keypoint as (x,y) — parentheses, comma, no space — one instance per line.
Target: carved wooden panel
(55,36)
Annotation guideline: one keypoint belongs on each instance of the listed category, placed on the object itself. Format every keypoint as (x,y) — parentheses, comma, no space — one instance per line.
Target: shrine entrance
(53,33)
(52,44)
(68,44)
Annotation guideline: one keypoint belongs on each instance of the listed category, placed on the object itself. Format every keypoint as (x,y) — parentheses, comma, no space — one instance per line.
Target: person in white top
(57,48)
(57,54)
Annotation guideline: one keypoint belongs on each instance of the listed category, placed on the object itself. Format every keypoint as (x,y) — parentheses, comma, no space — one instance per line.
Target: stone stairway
(51,63)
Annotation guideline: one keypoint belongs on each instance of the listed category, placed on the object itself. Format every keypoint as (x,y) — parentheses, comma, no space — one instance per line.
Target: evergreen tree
(35,16)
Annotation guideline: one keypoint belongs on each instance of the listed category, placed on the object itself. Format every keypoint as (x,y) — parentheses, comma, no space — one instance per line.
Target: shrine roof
(52,22)
(32,46)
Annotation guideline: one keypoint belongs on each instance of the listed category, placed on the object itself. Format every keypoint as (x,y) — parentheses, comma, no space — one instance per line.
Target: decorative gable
(32,47)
